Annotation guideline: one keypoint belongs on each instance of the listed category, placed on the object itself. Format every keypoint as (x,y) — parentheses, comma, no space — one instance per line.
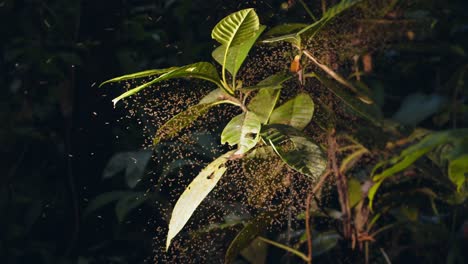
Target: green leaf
(368,111)
(354,192)
(331,13)
(200,70)
(237,54)
(293,33)
(235,29)
(250,231)
(296,112)
(194,194)
(142,74)
(295,149)
(458,171)
(351,159)
(129,202)
(263,102)
(213,96)
(182,120)
(413,153)
(243,130)
(274,81)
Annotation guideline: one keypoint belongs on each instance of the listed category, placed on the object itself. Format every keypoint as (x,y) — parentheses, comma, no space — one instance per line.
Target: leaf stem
(308,10)
(289,249)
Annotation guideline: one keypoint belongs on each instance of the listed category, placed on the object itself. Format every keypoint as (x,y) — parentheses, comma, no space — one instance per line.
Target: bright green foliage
(296,112)
(200,70)
(194,194)
(142,74)
(274,81)
(243,130)
(458,171)
(233,30)
(236,54)
(263,103)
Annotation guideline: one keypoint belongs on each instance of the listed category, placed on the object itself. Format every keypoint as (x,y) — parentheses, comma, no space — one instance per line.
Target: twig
(324,6)
(308,233)
(387,259)
(308,10)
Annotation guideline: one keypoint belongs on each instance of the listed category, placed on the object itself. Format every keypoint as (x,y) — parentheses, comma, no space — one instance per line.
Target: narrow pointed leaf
(182,120)
(295,149)
(236,54)
(194,194)
(458,171)
(243,130)
(142,74)
(200,70)
(296,112)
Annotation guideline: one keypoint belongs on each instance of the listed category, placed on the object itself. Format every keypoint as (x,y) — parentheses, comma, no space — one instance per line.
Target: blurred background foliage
(71,191)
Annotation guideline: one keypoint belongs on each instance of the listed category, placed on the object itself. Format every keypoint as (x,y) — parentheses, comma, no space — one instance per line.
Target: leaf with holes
(194,194)
(243,130)
(296,112)
(295,149)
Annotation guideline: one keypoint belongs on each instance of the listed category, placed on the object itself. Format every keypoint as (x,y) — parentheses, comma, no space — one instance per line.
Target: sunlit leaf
(182,120)
(235,29)
(200,70)
(263,102)
(296,150)
(250,231)
(243,130)
(296,112)
(354,192)
(458,171)
(236,54)
(351,159)
(142,74)
(194,194)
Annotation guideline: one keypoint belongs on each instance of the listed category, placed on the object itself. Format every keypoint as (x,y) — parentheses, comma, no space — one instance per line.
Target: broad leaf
(213,96)
(368,111)
(200,70)
(296,112)
(324,242)
(263,102)
(104,199)
(295,149)
(194,194)
(235,29)
(243,130)
(458,171)
(237,54)
(142,74)
(274,81)
(182,120)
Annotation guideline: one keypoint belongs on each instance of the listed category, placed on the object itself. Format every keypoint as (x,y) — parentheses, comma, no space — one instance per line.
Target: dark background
(59,130)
